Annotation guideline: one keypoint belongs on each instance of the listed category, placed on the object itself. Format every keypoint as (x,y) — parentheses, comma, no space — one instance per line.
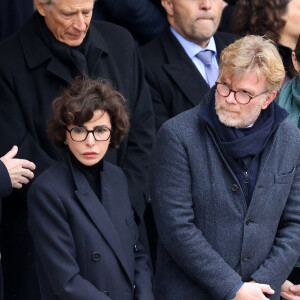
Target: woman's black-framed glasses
(80,133)
(241,97)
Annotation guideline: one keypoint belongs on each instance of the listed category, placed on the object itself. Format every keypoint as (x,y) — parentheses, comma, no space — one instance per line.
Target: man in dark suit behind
(176,76)
(58,43)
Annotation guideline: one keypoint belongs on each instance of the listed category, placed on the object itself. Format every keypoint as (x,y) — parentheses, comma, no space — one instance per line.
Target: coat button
(135,248)
(248,222)
(96,256)
(106,293)
(244,257)
(234,187)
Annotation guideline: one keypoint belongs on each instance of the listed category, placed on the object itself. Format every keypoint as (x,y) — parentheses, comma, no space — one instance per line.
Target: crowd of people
(150,150)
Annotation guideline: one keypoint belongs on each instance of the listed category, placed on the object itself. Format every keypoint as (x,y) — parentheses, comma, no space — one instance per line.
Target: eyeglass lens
(101,133)
(239,96)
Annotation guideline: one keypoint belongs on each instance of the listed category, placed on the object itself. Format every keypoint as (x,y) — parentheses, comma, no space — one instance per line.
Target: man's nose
(205,4)
(231,98)
(79,23)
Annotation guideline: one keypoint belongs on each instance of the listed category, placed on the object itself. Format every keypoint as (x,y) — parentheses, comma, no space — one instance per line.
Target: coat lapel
(190,83)
(99,215)
(182,70)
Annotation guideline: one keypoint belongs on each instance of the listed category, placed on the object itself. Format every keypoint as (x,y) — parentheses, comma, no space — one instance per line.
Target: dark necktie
(211,70)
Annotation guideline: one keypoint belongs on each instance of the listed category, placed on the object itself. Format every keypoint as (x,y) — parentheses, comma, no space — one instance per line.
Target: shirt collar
(191,48)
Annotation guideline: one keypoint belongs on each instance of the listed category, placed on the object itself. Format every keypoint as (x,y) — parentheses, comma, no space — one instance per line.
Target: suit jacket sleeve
(48,225)
(286,247)
(5,183)
(140,139)
(172,202)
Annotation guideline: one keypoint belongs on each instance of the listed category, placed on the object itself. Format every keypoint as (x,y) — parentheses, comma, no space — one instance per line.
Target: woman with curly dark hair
(279,20)
(79,213)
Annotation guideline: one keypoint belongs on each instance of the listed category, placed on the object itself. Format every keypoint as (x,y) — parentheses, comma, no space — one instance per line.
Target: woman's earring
(65,142)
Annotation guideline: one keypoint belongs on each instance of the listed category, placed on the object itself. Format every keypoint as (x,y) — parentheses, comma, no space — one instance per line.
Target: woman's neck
(288,41)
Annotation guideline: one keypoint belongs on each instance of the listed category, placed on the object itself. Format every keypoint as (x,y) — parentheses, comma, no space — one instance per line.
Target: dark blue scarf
(243,144)
(242,147)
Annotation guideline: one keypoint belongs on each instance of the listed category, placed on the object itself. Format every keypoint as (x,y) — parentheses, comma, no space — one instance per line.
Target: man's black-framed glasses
(80,133)
(241,97)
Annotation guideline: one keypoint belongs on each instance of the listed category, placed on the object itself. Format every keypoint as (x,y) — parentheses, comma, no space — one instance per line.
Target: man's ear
(168,6)
(41,7)
(271,96)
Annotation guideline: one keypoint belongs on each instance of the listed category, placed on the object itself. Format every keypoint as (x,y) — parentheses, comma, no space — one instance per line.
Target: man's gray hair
(48,2)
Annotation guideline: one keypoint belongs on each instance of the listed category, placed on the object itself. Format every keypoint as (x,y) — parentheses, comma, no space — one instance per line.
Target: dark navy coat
(86,249)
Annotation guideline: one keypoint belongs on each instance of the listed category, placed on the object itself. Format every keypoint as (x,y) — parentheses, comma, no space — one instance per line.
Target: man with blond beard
(227,201)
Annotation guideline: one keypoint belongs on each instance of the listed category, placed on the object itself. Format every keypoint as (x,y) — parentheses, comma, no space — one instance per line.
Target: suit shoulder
(152,45)
(288,131)
(55,175)
(154,51)
(226,37)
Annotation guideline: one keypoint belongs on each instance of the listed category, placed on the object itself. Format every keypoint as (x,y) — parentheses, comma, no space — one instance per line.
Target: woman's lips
(89,154)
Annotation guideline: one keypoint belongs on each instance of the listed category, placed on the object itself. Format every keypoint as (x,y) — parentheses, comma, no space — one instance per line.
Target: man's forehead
(245,80)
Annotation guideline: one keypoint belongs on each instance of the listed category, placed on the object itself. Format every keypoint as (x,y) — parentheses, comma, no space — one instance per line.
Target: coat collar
(37,53)
(181,69)
(96,210)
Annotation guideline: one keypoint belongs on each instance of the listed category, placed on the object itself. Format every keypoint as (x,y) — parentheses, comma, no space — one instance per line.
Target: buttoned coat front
(209,240)
(86,249)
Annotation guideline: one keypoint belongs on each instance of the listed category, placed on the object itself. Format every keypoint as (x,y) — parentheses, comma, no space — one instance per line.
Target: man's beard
(233,117)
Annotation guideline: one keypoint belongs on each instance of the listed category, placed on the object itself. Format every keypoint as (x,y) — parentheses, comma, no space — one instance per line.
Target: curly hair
(260,17)
(76,105)
(253,54)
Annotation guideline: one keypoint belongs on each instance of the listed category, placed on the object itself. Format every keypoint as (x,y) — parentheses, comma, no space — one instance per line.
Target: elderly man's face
(68,20)
(233,114)
(195,20)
